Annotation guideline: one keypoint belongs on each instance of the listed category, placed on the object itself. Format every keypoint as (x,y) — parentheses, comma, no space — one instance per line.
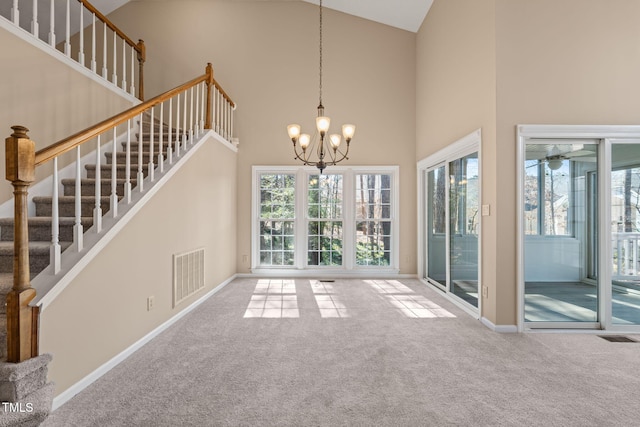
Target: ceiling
(404,14)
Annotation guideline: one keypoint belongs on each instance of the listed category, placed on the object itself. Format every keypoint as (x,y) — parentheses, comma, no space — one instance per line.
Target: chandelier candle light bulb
(325,157)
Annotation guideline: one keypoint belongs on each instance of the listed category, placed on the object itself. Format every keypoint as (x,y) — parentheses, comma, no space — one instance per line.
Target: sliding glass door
(580,230)
(436,266)
(625,234)
(560,220)
(452,224)
(463,229)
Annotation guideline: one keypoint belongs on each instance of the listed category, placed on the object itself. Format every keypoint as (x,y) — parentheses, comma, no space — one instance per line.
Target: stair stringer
(48,286)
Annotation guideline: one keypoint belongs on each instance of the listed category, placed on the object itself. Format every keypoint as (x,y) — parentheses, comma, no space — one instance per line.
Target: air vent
(617,338)
(188,274)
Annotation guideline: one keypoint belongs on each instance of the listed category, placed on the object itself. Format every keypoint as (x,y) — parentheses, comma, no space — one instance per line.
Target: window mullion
(301,221)
(348,219)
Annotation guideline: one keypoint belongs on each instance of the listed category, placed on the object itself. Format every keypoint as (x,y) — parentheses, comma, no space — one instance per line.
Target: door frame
(606,134)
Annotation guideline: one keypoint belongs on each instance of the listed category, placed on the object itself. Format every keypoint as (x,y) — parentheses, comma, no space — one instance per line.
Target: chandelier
(326,154)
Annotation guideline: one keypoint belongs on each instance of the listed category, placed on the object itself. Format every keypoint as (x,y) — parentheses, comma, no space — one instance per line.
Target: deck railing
(99,45)
(626,256)
(190,108)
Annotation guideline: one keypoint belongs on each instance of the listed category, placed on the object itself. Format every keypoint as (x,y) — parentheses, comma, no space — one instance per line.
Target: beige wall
(558,62)
(265,55)
(456,94)
(493,64)
(48,97)
(104,309)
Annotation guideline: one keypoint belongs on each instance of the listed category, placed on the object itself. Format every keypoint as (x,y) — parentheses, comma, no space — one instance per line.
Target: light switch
(486,210)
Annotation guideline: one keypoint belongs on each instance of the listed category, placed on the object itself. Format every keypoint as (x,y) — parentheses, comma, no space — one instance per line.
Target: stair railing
(190,108)
(112,37)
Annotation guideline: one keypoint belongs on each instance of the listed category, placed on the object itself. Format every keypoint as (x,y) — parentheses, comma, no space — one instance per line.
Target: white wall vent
(188,274)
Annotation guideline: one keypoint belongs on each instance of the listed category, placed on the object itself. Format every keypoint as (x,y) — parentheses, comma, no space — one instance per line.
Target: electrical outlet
(150,303)
(486,210)
(245,259)
(485,292)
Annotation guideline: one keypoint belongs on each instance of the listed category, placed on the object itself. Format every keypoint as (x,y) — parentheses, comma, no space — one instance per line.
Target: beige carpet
(358,353)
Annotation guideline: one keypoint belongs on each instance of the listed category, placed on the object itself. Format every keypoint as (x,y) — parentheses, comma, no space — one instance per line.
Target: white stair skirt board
(66,395)
(506,329)
(48,286)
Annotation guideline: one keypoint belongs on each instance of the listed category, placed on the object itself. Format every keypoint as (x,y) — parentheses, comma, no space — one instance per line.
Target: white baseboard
(506,329)
(65,396)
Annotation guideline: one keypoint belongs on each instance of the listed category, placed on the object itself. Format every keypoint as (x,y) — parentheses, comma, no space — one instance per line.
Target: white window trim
(300,269)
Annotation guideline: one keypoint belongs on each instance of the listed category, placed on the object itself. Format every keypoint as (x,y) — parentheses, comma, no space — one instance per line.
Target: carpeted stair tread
(88,186)
(40,227)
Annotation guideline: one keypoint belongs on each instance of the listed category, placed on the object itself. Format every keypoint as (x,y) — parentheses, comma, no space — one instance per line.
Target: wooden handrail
(69,143)
(111,25)
(224,94)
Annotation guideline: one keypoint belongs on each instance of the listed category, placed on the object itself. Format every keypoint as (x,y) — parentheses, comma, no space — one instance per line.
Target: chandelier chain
(320,52)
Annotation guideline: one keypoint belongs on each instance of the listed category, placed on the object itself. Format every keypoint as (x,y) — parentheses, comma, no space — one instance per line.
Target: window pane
(557,190)
(325,196)
(276,237)
(277,196)
(373,196)
(531,208)
(373,243)
(326,247)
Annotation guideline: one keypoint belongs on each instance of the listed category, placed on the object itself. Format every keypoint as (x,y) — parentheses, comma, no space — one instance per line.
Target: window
(324,213)
(548,193)
(373,219)
(344,219)
(277,217)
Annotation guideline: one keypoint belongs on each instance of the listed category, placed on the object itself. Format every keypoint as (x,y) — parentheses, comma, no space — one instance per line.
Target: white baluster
(67,31)
(178,126)
(104,51)
(231,124)
(114,77)
(151,165)
(93,42)
(124,65)
(34,21)
(114,177)
(203,105)
(184,123)
(15,13)
(97,211)
(54,257)
(197,111)
(127,165)
(170,136)
(215,109)
(52,25)
(160,141)
(191,117)
(140,177)
(132,90)
(81,52)
(77,228)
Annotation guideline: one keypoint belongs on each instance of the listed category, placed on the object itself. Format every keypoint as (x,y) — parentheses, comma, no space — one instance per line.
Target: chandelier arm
(344,155)
(295,151)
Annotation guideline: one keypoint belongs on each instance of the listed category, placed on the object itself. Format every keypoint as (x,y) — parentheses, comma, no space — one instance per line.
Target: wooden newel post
(22,320)
(208,119)
(142,56)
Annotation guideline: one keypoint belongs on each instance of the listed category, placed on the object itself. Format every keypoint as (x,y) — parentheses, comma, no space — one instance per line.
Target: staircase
(40,224)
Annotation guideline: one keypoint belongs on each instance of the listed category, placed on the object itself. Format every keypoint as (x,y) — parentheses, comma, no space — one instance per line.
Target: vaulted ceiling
(405,14)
